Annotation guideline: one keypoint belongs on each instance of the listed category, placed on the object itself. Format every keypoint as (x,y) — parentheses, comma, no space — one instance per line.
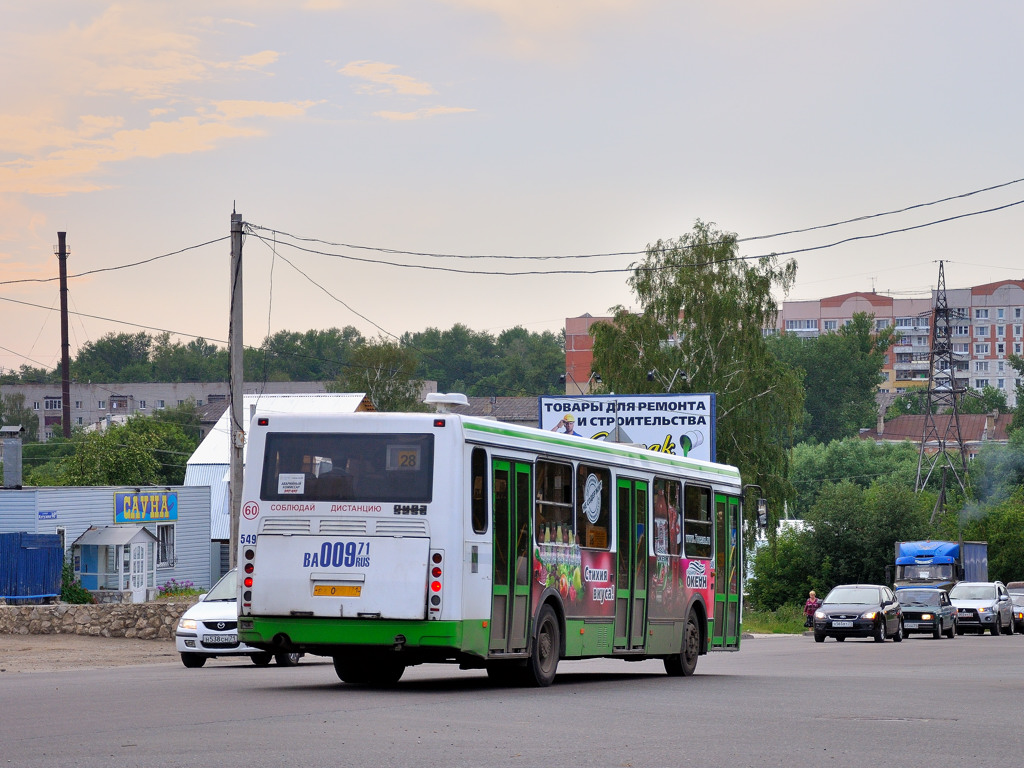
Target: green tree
(783,570)
(176,436)
(910,403)
(13,411)
(114,357)
(989,400)
(311,356)
(528,364)
(384,371)
(1002,525)
(855,460)
(841,372)
(185,417)
(455,358)
(1017,363)
(852,531)
(196,360)
(703,311)
(142,451)
(113,457)
(998,470)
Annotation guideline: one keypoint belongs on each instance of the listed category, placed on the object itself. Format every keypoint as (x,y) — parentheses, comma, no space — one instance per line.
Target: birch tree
(700,327)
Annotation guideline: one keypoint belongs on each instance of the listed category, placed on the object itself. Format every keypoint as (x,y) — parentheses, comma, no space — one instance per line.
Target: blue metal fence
(30,567)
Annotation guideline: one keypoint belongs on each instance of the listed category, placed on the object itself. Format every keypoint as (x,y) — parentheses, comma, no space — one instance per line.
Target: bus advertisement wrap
(683,425)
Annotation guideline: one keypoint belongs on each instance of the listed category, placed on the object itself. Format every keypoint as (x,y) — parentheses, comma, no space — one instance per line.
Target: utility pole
(942,430)
(237,430)
(65,345)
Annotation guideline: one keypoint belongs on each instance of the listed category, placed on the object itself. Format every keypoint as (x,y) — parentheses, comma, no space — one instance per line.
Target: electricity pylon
(942,442)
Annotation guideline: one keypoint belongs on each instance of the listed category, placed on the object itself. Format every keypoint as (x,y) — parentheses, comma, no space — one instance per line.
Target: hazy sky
(519,128)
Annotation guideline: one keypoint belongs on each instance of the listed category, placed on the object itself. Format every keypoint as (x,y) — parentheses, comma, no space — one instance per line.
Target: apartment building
(906,363)
(96,404)
(987,327)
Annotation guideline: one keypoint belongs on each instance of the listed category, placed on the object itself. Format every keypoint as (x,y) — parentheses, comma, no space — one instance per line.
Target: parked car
(1017,598)
(210,628)
(927,610)
(982,605)
(859,610)
(1016,590)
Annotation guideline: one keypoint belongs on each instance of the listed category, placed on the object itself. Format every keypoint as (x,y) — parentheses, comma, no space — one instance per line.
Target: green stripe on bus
(370,632)
(608,448)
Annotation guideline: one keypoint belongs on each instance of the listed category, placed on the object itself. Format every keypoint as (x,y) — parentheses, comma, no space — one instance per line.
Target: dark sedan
(859,610)
(927,611)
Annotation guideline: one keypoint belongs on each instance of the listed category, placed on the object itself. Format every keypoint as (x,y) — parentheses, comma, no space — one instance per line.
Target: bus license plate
(337,590)
(842,624)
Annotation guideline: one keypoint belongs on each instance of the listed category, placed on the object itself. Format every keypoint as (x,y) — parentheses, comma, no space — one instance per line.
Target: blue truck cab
(940,563)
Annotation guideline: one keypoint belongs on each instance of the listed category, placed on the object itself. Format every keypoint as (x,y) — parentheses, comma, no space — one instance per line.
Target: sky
(380,135)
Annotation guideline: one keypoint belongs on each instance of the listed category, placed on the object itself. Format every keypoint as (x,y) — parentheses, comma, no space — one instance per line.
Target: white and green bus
(386,540)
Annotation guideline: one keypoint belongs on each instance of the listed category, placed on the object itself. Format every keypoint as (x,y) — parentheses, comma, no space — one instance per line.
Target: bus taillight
(436,583)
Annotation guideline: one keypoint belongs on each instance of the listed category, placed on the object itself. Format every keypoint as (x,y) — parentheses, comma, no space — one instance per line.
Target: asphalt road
(781,701)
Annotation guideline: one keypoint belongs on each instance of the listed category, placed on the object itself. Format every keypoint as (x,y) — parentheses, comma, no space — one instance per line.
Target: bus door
(727,572)
(510,600)
(630,564)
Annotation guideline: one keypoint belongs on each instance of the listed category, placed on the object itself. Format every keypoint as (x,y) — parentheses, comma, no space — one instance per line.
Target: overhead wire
(254,229)
(617,270)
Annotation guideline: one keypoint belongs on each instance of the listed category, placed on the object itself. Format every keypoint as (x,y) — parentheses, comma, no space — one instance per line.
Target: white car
(982,605)
(210,628)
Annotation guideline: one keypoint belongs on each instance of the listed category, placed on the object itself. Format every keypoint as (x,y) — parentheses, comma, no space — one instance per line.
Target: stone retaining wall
(145,621)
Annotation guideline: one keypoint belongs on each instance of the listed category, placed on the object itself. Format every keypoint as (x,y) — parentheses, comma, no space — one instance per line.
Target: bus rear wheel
(684,663)
(543,662)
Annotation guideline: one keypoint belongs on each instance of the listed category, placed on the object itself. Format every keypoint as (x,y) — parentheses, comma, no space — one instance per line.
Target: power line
(116,268)
(618,270)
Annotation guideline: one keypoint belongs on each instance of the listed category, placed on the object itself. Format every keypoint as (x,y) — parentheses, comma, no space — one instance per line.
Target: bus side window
(478,500)
(594,503)
(697,532)
(553,518)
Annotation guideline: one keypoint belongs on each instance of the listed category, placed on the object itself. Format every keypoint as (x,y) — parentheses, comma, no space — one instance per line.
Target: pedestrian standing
(812,604)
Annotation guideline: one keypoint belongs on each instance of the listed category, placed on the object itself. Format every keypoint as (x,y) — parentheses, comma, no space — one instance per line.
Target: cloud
(540,15)
(96,125)
(421,114)
(257,60)
(381,80)
(236,110)
(125,83)
(68,161)
(126,50)
(324,5)
(546,30)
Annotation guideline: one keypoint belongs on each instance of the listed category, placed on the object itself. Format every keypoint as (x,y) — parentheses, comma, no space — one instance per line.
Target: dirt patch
(53,653)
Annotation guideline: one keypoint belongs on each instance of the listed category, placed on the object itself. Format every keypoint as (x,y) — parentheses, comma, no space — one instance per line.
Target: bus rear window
(348,467)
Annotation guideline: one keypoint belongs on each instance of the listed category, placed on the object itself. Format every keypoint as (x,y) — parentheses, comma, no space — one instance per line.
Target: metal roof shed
(117,563)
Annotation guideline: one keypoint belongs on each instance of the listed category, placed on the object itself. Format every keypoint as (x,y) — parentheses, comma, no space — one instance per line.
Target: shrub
(71,589)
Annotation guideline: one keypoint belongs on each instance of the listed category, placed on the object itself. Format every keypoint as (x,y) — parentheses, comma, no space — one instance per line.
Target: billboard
(679,424)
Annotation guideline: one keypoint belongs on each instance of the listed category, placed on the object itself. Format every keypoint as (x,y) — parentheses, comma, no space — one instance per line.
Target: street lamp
(594,377)
(655,374)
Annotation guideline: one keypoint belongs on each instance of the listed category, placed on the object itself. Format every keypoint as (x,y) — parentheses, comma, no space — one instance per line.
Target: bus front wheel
(543,662)
(684,663)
